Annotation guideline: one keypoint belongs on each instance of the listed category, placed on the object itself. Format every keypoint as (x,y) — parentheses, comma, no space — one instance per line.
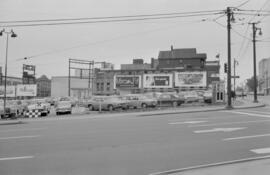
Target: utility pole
(254,29)
(229,16)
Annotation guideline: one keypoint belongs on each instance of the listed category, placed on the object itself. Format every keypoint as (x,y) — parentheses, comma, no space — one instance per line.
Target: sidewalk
(259,166)
(238,104)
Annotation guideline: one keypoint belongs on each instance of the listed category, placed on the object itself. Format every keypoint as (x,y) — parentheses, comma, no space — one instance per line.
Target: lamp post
(13,35)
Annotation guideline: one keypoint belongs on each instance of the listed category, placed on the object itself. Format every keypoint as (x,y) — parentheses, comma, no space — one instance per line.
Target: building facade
(264,76)
(174,70)
(43,86)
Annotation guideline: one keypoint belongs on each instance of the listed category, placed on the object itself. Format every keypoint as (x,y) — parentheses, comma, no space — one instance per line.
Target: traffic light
(225,67)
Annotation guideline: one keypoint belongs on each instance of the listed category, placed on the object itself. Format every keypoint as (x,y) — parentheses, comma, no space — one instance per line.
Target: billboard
(10,91)
(157,81)
(127,81)
(27,90)
(187,79)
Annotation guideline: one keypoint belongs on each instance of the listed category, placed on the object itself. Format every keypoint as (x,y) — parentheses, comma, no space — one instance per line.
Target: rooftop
(181,53)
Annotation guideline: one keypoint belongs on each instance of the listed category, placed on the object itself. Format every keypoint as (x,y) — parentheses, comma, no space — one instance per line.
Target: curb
(181,170)
(203,110)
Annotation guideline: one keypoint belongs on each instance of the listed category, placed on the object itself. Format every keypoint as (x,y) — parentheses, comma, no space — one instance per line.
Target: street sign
(235,76)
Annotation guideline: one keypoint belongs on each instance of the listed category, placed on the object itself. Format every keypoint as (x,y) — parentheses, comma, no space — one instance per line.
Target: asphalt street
(131,144)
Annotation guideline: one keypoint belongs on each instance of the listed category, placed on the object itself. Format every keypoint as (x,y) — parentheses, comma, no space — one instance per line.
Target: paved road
(129,144)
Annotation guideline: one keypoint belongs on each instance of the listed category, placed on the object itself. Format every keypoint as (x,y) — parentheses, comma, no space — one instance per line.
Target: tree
(250,83)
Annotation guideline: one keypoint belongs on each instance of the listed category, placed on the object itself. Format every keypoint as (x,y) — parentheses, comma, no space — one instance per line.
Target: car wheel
(90,107)
(174,104)
(110,108)
(144,105)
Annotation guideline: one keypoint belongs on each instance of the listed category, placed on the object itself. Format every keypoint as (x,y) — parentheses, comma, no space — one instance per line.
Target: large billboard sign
(10,91)
(29,90)
(188,79)
(157,80)
(127,81)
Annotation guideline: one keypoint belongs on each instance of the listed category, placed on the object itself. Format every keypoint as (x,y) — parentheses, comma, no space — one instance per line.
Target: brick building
(172,68)
(43,86)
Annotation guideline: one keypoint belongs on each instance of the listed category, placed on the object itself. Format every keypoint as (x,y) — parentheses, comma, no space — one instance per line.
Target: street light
(13,35)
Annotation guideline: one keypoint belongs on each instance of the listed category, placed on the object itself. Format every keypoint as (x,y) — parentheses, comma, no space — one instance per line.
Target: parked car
(63,107)
(208,96)
(140,101)
(170,100)
(39,104)
(9,112)
(109,103)
(191,96)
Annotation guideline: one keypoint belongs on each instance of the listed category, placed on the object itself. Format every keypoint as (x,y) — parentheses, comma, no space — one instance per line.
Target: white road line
(186,122)
(249,114)
(218,130)
(246,137)
(16,158)
(19,137)
(259,112)
(230,123)
(174,171)
(261,150)
(23,129)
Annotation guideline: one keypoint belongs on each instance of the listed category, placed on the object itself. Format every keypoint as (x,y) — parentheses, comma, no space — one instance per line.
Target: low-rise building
(43,86)
(264,76)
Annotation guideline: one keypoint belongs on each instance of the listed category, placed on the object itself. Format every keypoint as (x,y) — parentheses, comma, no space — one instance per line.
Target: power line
(243,3)
(102,41)
(109,17)
(106,21)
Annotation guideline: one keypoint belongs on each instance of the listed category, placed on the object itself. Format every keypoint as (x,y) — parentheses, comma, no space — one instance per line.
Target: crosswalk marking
(218,130)
(246,137)
(186,122)
(261,150)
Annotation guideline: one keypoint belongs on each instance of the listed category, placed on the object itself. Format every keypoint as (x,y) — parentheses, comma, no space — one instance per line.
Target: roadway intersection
(133,144)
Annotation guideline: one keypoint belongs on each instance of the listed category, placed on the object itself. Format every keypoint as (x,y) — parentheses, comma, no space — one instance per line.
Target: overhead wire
(101,41)
(106,20)
(109,17)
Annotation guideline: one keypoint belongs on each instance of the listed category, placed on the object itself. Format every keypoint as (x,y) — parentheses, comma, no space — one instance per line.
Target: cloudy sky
(121,42)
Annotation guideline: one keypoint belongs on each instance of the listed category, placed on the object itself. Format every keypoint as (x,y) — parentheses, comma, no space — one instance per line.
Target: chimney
(171,47)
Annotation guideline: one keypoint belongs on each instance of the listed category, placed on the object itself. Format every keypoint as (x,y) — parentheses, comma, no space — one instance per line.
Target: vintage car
(208,96)
(39,105)
(63,107)
(191,96)
(10,110)
(109,103)
(170,99)
(139,101)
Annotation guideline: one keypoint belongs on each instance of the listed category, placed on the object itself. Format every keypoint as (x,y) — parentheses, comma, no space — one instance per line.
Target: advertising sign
(27,90)
(10,91)
(127,81)
(187,79)
(157,81)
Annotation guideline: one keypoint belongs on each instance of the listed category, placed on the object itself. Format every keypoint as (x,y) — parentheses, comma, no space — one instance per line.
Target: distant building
(43,86)
(174,70)
(186,59)
(137,64)
(79,88)
(264,76)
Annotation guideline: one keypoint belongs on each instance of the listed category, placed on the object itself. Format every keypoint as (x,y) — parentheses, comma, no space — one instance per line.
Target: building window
(101,86)
(97,86)
(108,86)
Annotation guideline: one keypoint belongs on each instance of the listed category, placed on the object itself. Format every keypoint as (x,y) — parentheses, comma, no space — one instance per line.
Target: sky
(121,42)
